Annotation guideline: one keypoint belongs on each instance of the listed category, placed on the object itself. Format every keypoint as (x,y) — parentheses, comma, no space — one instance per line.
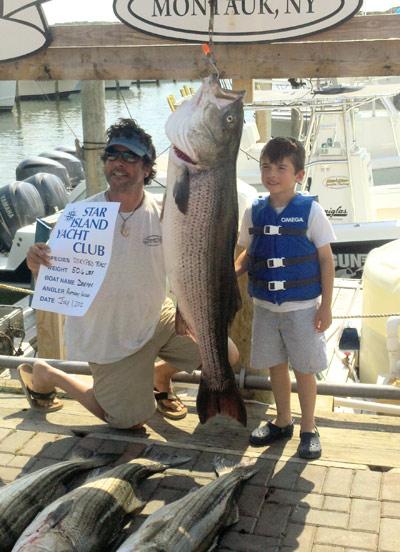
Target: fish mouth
(182,155)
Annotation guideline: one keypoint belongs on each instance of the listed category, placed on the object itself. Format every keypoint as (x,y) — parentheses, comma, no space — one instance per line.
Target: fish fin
(182,191)
(227,402)
(233,516)
(165,458)
(59,513)
(236,302)
(223,466)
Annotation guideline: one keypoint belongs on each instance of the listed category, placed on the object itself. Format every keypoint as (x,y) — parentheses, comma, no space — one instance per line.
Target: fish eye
(230,119)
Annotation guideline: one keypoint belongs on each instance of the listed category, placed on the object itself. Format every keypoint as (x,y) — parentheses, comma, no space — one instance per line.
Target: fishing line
(208,48)
(38,84)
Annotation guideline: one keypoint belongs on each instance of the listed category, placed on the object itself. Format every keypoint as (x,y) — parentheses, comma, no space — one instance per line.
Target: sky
(62,11)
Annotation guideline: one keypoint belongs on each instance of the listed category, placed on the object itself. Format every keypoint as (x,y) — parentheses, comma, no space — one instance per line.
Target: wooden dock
(349,499)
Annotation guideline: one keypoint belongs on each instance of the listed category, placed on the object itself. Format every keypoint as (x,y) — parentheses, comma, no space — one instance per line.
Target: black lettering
(245,8)
(161,8)
(186,3)
(296,4)
(202,7)
(310,6)
(264,6)
(232,5)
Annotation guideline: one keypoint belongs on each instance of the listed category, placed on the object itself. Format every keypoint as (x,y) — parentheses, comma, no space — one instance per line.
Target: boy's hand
(323,318)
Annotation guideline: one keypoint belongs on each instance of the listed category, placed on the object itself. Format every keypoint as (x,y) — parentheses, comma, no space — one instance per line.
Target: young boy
(289,260)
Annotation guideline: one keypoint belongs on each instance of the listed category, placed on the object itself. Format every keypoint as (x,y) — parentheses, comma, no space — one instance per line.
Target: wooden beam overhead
(362,46)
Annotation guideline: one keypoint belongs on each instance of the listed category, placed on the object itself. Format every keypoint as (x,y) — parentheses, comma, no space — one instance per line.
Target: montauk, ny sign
(234,21)
(23,28)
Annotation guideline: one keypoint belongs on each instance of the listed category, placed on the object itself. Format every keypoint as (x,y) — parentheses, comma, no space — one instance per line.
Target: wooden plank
(361,47)
(345,59)
(372,27)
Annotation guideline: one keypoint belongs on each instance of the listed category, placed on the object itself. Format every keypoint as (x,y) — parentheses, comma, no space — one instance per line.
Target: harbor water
(33,127)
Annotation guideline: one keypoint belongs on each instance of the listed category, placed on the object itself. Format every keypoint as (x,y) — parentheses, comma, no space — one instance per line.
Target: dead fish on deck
(91,516)
(193,523)
(200,223)
(23,499)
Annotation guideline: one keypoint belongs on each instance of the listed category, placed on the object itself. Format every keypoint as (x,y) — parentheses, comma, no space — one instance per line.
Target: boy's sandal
(310,445)
(45,402)
(269,433)
(169,411)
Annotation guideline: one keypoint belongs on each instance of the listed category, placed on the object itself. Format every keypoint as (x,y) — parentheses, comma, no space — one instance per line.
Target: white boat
(352,140)
(7,95)
(33,90)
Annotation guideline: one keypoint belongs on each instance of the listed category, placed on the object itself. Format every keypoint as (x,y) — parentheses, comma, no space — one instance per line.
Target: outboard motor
(71,163)
(52,191)
(33,165)
(20,204)
(69,149)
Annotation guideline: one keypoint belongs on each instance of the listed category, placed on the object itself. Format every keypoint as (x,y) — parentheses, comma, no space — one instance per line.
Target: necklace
(124,230)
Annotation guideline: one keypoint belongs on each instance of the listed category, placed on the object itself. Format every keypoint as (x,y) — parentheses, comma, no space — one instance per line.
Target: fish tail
(227,402)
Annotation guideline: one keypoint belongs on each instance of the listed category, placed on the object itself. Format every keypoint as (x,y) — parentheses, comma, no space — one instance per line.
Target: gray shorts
(124,389)
(288,336)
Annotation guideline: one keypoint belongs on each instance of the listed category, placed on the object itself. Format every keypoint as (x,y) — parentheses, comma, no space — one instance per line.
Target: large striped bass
(194,522)
(24,498)
(93,515)
(200,223)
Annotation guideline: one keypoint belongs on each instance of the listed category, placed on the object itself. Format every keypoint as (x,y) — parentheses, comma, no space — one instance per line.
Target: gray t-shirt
(126,310)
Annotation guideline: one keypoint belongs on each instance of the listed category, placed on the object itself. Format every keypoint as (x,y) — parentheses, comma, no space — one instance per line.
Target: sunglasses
(126,156)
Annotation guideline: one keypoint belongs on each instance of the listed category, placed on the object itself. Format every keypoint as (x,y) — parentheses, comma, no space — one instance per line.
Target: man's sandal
(168,411)
(44,402)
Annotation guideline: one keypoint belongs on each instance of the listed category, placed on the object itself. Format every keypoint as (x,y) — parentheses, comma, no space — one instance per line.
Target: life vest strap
(279,262)
(271,230)
(281,285)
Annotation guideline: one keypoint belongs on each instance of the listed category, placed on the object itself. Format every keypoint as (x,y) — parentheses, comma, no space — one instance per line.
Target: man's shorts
(124,389)
(279,337)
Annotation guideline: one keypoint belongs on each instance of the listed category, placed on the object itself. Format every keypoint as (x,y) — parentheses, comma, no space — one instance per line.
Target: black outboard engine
(69,149)
(33,165)
(52,191)
(71,163)
(20,204)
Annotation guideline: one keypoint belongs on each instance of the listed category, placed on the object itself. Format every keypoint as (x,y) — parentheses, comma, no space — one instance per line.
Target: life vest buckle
(277,285)
(276,262)
(270,230)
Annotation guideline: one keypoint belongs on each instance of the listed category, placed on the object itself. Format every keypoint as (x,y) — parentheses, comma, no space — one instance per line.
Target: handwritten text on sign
(81,245)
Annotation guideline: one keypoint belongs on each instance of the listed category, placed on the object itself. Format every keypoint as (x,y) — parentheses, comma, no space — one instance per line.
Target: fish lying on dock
(194,522)
(200,224)
(23,499)
(91,516)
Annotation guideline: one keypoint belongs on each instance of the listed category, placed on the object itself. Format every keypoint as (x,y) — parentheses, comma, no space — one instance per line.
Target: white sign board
(81,245)
(234,20)
(23,28)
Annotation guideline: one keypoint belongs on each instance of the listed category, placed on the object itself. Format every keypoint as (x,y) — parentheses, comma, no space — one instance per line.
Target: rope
(350,316)
(16,289)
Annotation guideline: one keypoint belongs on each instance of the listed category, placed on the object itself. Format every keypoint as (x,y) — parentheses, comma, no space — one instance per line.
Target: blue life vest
(283,261)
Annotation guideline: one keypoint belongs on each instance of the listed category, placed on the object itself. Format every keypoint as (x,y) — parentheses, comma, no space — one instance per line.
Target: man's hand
(38,254)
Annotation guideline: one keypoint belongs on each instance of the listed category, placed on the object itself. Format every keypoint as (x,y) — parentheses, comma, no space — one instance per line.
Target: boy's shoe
(269,433)
(310,445)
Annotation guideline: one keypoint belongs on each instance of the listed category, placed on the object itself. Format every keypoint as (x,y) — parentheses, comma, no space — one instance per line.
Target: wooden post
(241,335)
(263,118)
(50,334)
(93,123)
